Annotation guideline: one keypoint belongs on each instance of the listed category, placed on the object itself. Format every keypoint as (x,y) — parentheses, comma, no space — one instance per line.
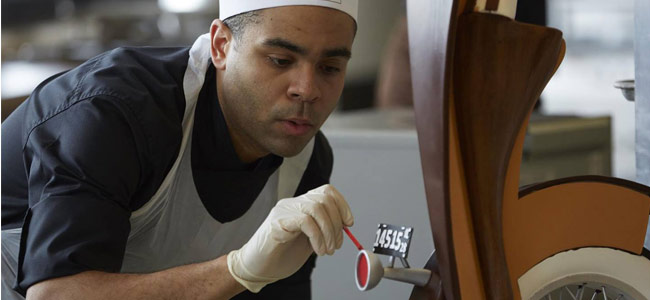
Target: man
(155,173)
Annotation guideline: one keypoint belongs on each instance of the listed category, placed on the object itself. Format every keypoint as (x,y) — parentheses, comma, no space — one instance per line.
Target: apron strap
(197,66)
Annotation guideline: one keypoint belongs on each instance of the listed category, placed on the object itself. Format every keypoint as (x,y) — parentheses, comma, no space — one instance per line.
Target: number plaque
(393,240)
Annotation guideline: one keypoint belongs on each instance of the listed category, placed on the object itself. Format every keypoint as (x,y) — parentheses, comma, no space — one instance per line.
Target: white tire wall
(628,272)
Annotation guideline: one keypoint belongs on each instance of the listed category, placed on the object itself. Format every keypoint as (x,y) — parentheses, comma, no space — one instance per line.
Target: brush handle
(354,240)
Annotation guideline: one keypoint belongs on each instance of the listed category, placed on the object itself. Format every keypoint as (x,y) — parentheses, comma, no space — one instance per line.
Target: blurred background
(582,124)
(43,37)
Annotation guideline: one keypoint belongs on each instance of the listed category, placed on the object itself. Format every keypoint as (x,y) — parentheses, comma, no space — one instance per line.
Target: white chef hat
(229,8)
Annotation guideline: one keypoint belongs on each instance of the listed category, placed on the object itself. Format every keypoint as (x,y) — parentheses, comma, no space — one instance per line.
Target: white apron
(173,228)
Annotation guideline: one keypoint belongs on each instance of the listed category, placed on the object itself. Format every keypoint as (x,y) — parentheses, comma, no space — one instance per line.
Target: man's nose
(303,85)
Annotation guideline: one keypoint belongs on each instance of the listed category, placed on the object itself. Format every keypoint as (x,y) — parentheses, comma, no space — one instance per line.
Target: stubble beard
(260,130)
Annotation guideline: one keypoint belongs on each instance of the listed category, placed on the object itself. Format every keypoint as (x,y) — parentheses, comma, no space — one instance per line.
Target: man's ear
(221,41)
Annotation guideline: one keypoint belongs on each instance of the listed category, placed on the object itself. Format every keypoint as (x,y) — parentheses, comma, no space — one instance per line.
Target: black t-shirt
(93,144)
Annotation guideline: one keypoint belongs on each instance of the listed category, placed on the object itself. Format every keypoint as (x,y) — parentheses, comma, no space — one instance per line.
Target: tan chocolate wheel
(588,273)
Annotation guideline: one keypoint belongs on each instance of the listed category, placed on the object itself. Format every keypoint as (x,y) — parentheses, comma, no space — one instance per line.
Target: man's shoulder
(139,87)
(144,82)
(141,77)
(131,67)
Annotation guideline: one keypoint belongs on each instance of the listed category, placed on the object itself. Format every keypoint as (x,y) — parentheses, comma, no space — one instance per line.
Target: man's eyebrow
(344,52)
(282,43)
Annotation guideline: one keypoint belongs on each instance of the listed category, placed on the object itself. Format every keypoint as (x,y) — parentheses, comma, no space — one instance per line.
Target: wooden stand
(476,77)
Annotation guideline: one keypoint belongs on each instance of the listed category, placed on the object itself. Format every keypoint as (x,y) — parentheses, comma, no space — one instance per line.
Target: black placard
(393,240)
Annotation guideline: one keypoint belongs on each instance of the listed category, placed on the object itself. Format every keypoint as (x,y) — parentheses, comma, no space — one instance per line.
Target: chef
(182,173)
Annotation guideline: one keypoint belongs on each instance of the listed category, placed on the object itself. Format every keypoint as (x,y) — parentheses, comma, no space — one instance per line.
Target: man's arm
(293,230)
(207,280)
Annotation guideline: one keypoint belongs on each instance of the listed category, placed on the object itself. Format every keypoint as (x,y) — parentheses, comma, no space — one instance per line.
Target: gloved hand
(294,229)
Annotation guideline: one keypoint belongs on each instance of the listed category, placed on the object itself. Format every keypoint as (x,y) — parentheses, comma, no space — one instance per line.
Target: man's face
(283,78)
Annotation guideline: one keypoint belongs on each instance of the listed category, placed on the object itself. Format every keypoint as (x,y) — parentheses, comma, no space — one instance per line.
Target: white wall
(376,19)
(599,35)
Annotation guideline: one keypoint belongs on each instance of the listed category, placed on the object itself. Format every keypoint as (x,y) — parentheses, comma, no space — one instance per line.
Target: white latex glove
(294,229)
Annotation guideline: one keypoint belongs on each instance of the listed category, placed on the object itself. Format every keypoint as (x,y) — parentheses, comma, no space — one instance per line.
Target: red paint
(362,271)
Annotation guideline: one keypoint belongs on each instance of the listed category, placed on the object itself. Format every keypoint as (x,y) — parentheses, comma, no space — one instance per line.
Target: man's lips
(295,126)
(300,121)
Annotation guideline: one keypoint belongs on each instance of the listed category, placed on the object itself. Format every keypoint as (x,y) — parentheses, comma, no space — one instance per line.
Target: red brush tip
(354,240)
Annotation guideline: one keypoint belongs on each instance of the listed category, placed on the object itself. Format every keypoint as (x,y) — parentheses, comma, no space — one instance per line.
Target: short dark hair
(238,23)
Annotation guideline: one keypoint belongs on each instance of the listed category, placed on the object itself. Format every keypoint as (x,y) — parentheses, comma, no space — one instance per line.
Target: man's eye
(279,61)
(330,69)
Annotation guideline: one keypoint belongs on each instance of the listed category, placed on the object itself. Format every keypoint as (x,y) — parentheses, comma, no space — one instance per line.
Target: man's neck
(246,151)
(245,154)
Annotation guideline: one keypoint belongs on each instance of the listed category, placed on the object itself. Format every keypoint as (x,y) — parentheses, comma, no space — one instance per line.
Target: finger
(339,242)
(341,204)
(313,232)
(313,206)
(303,224)
(332,210)
(288,230)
